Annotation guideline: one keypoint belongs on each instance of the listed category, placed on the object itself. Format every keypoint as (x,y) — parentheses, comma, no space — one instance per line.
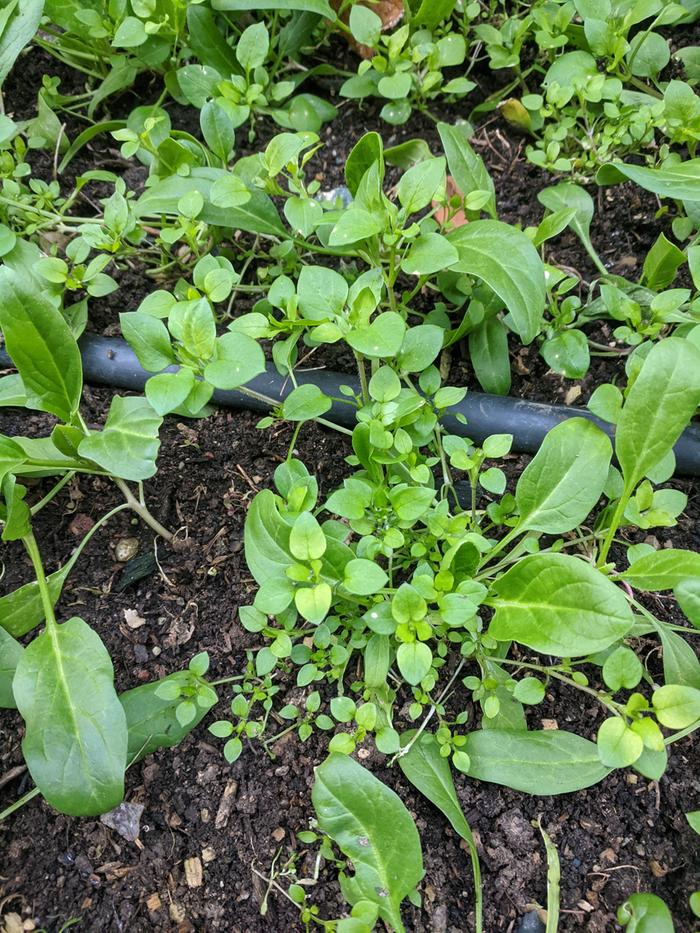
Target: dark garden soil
(625,835)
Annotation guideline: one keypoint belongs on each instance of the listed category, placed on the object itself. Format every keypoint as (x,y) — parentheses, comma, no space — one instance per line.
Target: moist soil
(624,835)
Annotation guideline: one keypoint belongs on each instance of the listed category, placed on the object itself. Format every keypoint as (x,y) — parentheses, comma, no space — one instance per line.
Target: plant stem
(47,603)
(52,492)
(407,748)
(614,525)
(30,795)
(142,511)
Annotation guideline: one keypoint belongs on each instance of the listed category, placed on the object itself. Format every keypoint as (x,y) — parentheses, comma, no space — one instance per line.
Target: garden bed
(239,821)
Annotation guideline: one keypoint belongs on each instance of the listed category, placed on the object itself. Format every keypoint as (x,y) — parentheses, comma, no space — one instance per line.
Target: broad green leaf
(367,151)
(567,196)
(76,739)
(355,224)
(560,605)
(364,577)
(540,763)
(11,456)
(419,185)
(22,609)
(208,42)
(305,403)
(466,167)
(645,913)
(680,181)
(151,719)
(618,745)
(321,7)
(430,773)
(383,338)
(168,391)
(266,538)
(420,347)
(128,444)
(322,292)
(41,346)
(148,338)
(681,665)
(505,259)
(565,479)
(313,602)
(237,359)
(430,252)
(676,706)
(306,539)
(17,31)
(10,653)
(662,262)
(688,595)
(373,829)
(661,402)
(663,570)
(257,215)
(488,350)
(567,353)
(414,660)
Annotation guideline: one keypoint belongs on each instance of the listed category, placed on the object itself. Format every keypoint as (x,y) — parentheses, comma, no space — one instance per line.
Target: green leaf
(466,167)
(321,7)
(621,669)
(364,577)
(414,660)
(305,403)
(237,359)
(688,595)
(355,224)
(680,181)
(430,773)
(17,31)
(151,719)
(266,537)
(367,151)
(382,338)
(488,351)
(128,444)
(10,653)
(306,539)
(41,346)
(560,605)
(148,338)
(567,353)
(681,665)
(618,745)
(505,259)
(22,609)
(418,186)
(540,763)
(663,570)
(374,830)
(430,253)
(420,347)
(661,402)
(253,46)
(168,391)
(76,737)
(566,196)
(645,913)
(693,818)
(257,215)
(661,264)
(676,706)
(565,479)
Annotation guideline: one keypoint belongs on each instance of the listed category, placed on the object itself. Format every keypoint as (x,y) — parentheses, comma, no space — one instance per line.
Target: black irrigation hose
(111,361)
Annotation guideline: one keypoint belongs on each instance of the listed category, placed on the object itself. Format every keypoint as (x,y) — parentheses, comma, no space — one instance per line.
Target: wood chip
(154,902)
(193,872)
(278,834)
(133,619)
(550,724)
(226,805)
(208,855)
(572,395)
(12,923)
(657,869)
(176,912)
